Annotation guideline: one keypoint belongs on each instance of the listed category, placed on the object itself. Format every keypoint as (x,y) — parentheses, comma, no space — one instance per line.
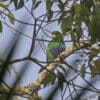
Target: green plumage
(55,46)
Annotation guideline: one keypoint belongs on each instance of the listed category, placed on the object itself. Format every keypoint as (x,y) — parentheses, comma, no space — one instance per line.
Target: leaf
(84,14)
(83,71)
(60,1)
(50,14)
(41,69)
(61,6)
(84,10)
(49,4)
(35,97)
(49,79)
(89,3)
(0,26)
(62,68)
(97,65)
(93,71)
(10,68)
(21,4)
(37,4)
(91,29)
(3,6)
(62,16)
(77,8)
(66,24)
(99,97)
(94,25)
(93,54)
(97,10)
(11,18)
(15,3)
(60,81)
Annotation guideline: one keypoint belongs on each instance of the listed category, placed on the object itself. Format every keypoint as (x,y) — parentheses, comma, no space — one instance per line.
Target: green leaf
(60,1)
(94,25)
(83,71)
(21,4)
(61,80)
(61,7)
(15,3)
(0,26)
(77,8)
(62,16)
(91,30)
(11,18)
(62,68)
(97,65)
(50,79)
(3,6)
(41,69)
(97,10)
(99,97)
(93,54)
(93,71)
(35,96)
(49,4)
(84,10)
(50,15)
(37,4)
(89,3)
(66,24)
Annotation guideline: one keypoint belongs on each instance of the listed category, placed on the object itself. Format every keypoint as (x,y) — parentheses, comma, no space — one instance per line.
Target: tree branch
(27,90)
(33,38)
(53,65)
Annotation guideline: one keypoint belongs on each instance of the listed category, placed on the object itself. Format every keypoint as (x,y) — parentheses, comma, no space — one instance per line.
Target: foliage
(0,26)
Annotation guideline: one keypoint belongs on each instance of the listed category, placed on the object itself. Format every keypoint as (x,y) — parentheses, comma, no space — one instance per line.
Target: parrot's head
(55,35)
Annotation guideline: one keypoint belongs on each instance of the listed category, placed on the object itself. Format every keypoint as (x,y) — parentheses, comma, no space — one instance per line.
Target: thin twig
(33,38)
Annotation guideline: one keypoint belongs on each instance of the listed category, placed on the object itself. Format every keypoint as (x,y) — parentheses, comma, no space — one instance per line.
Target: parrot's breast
(57,50)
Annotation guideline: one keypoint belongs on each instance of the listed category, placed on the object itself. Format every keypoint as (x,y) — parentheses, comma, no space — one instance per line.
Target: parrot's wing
(49,52)
(49,56)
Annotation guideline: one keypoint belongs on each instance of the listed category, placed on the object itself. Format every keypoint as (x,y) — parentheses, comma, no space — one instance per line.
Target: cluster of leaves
(51,77)
(71,23)
(94,25)
(18,4)
(85,12)
(8,13)
(93,64)
(71,19)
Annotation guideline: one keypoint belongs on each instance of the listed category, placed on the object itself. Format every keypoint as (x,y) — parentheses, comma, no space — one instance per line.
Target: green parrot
(55,46)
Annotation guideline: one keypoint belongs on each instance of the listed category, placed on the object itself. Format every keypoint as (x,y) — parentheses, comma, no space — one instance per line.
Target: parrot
(55,47)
